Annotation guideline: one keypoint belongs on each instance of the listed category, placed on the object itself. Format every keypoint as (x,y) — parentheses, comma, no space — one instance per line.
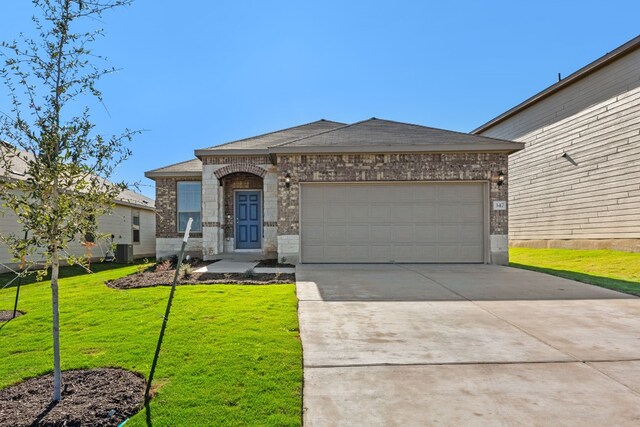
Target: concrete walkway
(228,266)
(242,266)
(415,345)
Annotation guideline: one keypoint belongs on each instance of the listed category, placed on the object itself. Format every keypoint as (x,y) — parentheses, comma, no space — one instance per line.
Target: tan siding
(596,121)
(118,224)
(147,246)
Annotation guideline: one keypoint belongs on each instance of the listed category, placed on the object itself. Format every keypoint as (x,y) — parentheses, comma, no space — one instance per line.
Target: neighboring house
(132,221)
(373,191)
(577,182)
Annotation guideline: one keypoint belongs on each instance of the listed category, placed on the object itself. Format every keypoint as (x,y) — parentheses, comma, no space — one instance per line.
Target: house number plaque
(499,205)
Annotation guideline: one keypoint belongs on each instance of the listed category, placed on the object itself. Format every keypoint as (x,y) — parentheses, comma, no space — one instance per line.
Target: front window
(189,201)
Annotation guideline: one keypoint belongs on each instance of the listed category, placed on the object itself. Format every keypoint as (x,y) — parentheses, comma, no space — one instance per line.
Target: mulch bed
(272,263)
(8,315)
(90,397)
(165,278)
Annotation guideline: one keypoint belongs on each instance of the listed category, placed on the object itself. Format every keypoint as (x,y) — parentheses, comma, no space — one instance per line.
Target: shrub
(165,265)
(186,270)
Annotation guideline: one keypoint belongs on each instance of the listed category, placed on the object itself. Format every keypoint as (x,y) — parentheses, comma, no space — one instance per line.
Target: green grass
(231,354)
(72,271)
(615,270)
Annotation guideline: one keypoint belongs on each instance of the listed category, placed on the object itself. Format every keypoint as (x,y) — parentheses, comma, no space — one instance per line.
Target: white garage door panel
(408,222)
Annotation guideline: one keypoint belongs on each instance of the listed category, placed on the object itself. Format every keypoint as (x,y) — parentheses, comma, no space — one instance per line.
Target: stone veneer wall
(388,167)
(217,202)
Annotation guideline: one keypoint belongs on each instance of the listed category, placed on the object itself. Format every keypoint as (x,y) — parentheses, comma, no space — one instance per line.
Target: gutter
(506,146)
(231,152)
(153,175)
(134,205)
(509,147)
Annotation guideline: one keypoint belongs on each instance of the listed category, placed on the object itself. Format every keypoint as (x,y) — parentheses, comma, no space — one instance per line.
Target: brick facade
(232,160)
(240,167)
(230,183)
(167,207)
(387,167)
(281,205)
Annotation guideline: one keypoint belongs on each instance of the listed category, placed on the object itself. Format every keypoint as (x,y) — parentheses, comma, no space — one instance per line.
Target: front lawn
(615,270)
(231,354)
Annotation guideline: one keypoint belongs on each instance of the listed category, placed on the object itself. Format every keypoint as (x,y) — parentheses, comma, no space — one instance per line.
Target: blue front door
(248,220)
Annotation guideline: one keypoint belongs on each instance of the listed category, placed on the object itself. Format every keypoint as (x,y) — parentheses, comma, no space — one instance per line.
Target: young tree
(51,83)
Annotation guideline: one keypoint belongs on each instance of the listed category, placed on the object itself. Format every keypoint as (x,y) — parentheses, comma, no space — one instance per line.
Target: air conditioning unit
(124,253)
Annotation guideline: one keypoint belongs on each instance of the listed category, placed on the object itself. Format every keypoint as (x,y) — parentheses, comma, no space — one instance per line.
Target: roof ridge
(323,132)
(439,129)
(24,156)
(269,133)
(382,120)
(592,67)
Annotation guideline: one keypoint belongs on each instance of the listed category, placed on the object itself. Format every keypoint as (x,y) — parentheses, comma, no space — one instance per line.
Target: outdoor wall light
(500,180)
(287,180)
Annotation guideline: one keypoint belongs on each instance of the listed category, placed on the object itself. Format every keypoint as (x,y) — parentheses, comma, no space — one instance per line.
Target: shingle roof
(18,171)
(386,133)
(128,196)
(323,136)
(272,139)
(191,167)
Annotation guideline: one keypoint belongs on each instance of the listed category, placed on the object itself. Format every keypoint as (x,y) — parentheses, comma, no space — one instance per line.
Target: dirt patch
(273,263)
(165,278)
(8,315)
(90,397)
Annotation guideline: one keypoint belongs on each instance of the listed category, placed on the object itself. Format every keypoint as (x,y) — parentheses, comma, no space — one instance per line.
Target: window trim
(178,211)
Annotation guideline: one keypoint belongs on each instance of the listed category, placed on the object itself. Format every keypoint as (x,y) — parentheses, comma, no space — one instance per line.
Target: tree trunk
(57,374)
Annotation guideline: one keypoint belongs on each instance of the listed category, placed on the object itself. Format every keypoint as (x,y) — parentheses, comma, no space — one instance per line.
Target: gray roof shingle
(272,139)
(187,168)
(386,133)
(324,136)
(18,171)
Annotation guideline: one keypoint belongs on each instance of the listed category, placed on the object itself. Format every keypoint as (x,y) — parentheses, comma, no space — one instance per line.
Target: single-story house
(132,221)
(323,192)
(576,184)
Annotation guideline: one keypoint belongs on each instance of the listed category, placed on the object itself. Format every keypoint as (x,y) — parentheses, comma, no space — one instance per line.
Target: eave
(231,152)
(508,147)
(583,72)
(153,175)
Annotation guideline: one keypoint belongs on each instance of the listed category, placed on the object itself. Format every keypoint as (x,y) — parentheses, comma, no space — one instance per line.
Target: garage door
(404,222)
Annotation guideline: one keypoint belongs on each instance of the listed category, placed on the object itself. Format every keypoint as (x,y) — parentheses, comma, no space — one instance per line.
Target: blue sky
(200,73)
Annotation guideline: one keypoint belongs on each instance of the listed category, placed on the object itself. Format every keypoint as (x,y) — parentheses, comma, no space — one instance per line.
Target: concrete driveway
(423,345)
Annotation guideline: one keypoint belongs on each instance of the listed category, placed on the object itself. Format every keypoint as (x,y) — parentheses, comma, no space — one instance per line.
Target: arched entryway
(242,211)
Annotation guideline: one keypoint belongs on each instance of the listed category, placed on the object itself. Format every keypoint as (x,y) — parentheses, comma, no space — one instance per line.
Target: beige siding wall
(595,193)
(119,223)
(147,245)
